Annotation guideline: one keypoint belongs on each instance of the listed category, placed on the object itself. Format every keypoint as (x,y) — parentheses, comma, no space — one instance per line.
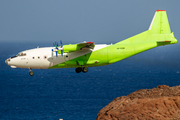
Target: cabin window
(45,57)
(38,57)
(32,57)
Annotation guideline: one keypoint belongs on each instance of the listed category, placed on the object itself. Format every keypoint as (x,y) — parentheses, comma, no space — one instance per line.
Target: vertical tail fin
(159,31)
(160,24)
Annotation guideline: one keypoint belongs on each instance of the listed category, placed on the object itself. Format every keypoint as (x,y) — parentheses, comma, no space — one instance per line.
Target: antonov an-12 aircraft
(87,54)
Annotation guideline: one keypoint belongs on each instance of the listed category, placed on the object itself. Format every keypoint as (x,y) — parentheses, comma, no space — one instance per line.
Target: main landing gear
(31,73)
(83,69)
(78,70)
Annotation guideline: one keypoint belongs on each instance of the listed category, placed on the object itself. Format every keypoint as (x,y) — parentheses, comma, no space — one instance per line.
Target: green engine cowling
(70,48)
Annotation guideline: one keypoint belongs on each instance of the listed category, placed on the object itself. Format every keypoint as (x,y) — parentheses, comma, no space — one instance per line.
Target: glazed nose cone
(6,61)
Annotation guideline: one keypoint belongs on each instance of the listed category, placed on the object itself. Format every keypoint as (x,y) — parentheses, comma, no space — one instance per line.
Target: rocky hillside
(161,103)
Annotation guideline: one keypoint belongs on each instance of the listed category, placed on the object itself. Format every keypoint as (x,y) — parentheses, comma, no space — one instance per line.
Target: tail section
(159,31)
(160,24)
(158,34)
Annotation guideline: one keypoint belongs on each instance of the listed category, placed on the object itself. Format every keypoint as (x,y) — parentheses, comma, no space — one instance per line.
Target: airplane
(87,54)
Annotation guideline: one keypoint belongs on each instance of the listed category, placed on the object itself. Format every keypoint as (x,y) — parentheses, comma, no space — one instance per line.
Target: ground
(161,103)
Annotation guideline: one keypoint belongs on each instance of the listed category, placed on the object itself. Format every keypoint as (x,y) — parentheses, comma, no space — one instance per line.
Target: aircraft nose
(6,61)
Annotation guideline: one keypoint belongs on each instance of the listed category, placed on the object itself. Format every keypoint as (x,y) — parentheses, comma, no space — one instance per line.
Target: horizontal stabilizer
(164,41)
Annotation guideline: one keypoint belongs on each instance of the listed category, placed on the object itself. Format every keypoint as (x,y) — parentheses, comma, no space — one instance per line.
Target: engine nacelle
(70,48)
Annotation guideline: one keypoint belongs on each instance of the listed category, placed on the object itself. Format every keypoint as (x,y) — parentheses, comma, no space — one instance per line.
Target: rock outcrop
(161,103)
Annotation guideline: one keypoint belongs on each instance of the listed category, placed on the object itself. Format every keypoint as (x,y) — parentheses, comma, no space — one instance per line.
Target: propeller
(56,48)
(61,47)
(55,44)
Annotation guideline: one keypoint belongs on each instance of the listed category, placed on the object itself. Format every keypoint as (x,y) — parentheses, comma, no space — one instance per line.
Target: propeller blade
(61,43)
(57,45)
(62,52)
(61,47)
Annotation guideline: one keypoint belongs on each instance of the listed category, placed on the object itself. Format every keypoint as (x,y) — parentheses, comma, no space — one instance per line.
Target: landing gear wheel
(84,69)
(31,73)
(78,70)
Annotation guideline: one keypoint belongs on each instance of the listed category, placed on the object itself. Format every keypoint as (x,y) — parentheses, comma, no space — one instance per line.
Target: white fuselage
(43,58)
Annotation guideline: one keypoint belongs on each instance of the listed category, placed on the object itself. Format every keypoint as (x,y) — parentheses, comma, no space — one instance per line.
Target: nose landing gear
(83,69)
(31,73)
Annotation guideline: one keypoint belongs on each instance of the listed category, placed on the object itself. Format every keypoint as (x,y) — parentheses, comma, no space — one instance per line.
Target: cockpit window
(13,57)
(21,54)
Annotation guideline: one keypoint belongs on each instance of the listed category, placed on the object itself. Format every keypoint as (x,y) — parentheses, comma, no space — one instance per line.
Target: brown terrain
(161,103)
